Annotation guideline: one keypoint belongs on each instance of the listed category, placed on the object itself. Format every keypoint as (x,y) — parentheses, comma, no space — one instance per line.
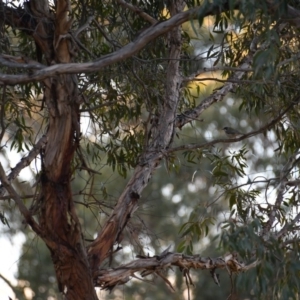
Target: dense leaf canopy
(116,110)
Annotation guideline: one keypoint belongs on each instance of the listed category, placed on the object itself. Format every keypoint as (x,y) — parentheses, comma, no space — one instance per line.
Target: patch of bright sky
(184,210)
(223,110)
(10,248)
(167,190)
(176,198)
(229,101)
(198,183)
(9,253)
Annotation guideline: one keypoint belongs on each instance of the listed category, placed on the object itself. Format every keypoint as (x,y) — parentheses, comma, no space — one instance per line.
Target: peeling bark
(108,279)
(161,140)
(59,224)
(77,267)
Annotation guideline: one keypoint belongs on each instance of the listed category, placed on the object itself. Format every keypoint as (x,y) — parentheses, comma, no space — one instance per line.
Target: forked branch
(15,196)
(24,162)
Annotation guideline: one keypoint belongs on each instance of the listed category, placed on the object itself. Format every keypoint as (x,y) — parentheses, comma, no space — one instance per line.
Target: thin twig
(84,26)
(138,11)
(113,42)
(21,197)
(283,179)
(214,69)
(217,96)
(10,284)
(108,103)
(24,162)
(227,141)
(15,196)
(80,45)
(239,186)
(2,113)
(233,80)
(288,226)
(20,62)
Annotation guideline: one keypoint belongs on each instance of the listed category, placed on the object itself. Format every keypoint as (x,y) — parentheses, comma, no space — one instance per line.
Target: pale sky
(9,255)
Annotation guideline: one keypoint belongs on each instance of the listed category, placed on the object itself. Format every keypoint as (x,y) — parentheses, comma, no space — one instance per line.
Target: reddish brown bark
(59,226)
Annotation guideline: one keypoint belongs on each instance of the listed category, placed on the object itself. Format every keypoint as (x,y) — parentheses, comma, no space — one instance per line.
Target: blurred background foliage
(204,201)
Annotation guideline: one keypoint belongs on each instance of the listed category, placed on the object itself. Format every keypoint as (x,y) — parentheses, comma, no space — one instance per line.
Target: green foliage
(276,275)
(231,166)
(221,193)
(197,227)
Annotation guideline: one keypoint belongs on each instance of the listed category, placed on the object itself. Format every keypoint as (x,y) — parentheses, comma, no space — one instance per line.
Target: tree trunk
(58,220)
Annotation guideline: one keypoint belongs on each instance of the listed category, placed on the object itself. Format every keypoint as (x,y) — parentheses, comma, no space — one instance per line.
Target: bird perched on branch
(231,133)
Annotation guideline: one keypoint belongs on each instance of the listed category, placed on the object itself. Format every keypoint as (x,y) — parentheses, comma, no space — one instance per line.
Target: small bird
(231,132)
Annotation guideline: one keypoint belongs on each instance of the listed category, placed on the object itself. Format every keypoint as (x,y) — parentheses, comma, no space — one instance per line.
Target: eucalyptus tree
(133,73)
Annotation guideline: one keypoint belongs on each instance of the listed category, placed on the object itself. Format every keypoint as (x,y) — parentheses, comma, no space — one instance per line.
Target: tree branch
(10,284)
(108,103)
(283,180)
(2,114)
(31,20)
(293,183)
(217,96)
(193,76)
(24,162)
(288,226)
(20,62)
(108,279)
(21,197)
(293,16)
(232,80)
(138,11)
(85,26)
(127,51)
(237,139)
(161,138)
(15,196)
(130,49)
